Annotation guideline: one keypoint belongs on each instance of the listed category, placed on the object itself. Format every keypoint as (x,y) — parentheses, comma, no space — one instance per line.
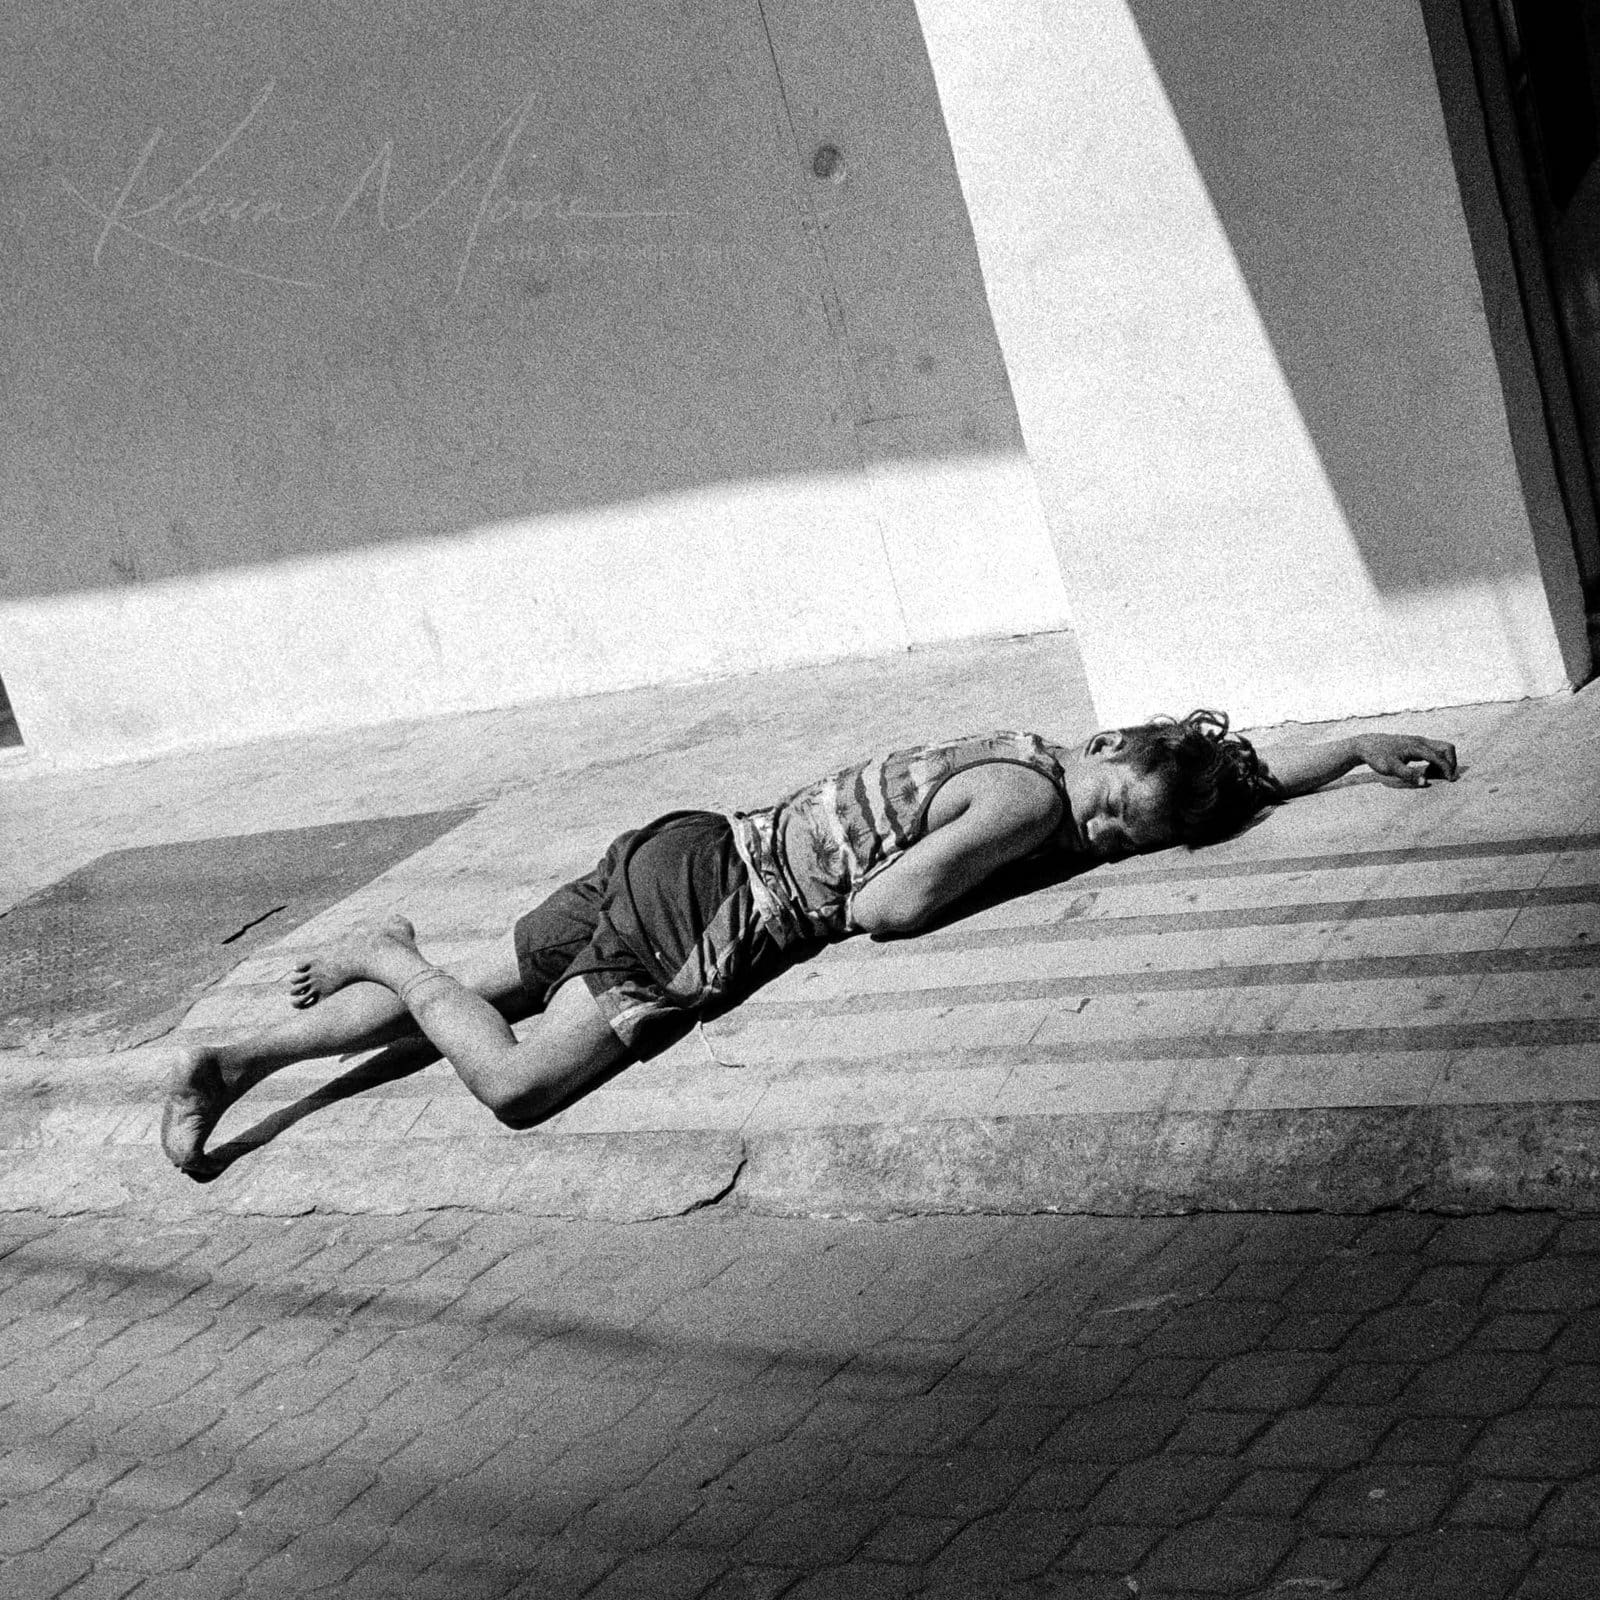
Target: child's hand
(1395,755)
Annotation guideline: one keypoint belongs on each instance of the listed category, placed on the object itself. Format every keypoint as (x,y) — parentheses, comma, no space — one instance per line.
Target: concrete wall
(1226,255)
(376,364)
(380,362)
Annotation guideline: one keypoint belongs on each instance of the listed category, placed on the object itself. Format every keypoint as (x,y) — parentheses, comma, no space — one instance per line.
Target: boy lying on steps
(697,909)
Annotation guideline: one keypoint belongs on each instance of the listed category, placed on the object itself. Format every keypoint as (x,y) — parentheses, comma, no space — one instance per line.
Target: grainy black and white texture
(723,1405)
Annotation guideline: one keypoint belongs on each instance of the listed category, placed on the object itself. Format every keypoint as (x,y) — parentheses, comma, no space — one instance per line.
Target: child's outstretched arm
(1396,755)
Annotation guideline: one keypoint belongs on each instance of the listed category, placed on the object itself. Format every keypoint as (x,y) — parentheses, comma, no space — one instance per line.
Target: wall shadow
(1316,135)
(299,279)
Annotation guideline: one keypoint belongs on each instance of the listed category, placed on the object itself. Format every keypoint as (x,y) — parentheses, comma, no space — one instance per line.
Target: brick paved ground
(461,1405)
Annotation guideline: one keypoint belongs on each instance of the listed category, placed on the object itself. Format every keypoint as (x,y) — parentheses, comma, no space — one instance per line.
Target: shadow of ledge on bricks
(1464,1158)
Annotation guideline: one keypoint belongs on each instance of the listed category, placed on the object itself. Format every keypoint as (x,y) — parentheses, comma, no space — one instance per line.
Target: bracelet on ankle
(417,980)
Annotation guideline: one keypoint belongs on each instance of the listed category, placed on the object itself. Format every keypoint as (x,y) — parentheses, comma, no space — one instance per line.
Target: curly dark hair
(1212,781)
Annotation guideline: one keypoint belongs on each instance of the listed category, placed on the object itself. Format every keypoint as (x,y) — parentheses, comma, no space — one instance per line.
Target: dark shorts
(664,929)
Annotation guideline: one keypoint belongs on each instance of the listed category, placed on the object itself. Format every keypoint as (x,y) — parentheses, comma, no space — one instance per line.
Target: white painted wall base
(376,368)
(745,579)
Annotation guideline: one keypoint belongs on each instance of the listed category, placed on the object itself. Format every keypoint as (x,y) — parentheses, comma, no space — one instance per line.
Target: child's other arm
(1407,756)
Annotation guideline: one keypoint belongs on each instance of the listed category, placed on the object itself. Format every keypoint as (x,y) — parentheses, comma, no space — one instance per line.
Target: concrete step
(1372,998)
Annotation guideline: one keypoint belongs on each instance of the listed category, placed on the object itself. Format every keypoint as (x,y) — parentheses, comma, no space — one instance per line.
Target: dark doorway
(10,733)
(1538,70)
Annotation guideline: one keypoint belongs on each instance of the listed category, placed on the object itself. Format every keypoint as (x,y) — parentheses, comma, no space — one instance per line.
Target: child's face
(1121,813)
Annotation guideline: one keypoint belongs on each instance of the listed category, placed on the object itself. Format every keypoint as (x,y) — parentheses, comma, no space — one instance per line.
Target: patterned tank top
(811,853)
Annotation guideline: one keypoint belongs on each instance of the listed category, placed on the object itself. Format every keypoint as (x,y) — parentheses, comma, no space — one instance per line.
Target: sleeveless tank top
(810,854)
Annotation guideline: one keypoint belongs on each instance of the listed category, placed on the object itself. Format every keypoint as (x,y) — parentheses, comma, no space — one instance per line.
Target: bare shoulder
(1010,797)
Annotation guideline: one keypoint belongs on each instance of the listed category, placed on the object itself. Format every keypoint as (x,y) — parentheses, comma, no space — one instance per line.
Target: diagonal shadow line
(1054,1370)
(395,1306)
(396,1061)
(1476,964)
(402,1059)
(1073,925)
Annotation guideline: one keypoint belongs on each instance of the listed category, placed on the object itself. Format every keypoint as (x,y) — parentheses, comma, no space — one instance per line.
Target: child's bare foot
(196,1099)
(362,957)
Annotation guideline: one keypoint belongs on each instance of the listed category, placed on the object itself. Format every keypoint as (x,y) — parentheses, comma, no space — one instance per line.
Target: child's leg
(568,1047)
(206,1079)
